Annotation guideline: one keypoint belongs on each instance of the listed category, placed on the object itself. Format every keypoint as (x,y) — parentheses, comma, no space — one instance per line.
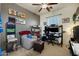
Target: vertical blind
(54,20)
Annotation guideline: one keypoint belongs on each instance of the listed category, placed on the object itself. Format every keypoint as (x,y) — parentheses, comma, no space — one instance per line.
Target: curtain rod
(54,15)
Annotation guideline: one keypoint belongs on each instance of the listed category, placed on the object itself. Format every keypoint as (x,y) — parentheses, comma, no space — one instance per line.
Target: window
(54,20)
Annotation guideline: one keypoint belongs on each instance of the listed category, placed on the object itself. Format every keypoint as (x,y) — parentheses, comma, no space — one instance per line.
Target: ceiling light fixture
(44,5)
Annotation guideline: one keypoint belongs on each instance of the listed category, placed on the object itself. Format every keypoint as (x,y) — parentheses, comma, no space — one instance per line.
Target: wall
(0,14)
(0,8)
(67,11)
(32,18)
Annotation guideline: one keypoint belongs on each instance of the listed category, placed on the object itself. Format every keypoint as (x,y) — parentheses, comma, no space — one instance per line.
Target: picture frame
(20,21)
(66,20)
(21,15)
(12,12)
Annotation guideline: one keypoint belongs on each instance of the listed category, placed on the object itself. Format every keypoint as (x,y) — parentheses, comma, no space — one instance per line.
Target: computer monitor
(53,29)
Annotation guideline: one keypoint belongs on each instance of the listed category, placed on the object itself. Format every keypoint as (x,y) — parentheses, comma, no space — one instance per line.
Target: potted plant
(74,17)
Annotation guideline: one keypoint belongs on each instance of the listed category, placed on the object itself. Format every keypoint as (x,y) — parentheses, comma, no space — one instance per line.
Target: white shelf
(12,40)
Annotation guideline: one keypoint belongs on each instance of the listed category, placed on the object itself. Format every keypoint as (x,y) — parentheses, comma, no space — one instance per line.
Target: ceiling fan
(46,6)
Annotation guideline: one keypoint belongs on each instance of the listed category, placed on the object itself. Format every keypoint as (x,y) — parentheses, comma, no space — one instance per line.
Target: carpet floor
(49,50)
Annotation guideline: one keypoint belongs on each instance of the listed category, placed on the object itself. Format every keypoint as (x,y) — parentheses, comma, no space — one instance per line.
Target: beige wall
(0,8)
(67,11)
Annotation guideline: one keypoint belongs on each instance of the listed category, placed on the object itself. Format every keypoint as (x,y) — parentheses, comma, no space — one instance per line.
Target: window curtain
(54,20)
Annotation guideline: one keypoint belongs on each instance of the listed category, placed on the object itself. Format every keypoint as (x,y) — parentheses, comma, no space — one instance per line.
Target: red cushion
(24,32)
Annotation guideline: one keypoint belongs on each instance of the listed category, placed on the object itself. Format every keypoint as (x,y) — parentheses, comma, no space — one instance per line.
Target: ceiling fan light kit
(45,6)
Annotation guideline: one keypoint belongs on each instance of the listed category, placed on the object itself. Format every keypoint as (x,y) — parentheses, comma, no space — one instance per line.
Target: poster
(66,20)
(20,21)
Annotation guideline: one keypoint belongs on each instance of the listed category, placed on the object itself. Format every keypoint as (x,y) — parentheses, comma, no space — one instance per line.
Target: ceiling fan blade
(52,3)
(51,7)
(40,9)
(48,9)
(36,4)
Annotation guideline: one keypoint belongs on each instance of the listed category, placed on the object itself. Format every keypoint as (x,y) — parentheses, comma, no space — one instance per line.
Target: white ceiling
(35,9)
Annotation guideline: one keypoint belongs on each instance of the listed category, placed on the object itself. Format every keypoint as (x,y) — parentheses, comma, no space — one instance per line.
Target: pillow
(29,36)
(24,32)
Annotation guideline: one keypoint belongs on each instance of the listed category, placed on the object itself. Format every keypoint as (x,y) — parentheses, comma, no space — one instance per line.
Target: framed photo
(66,20)
(16,13)
(20,21)
(12,12)
(21,15)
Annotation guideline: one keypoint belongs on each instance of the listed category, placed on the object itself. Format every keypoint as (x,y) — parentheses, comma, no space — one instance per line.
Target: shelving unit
(36,30)
(50,32)
(10,30)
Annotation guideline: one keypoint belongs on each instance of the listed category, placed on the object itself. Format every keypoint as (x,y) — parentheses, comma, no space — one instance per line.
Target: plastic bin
(27,42)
